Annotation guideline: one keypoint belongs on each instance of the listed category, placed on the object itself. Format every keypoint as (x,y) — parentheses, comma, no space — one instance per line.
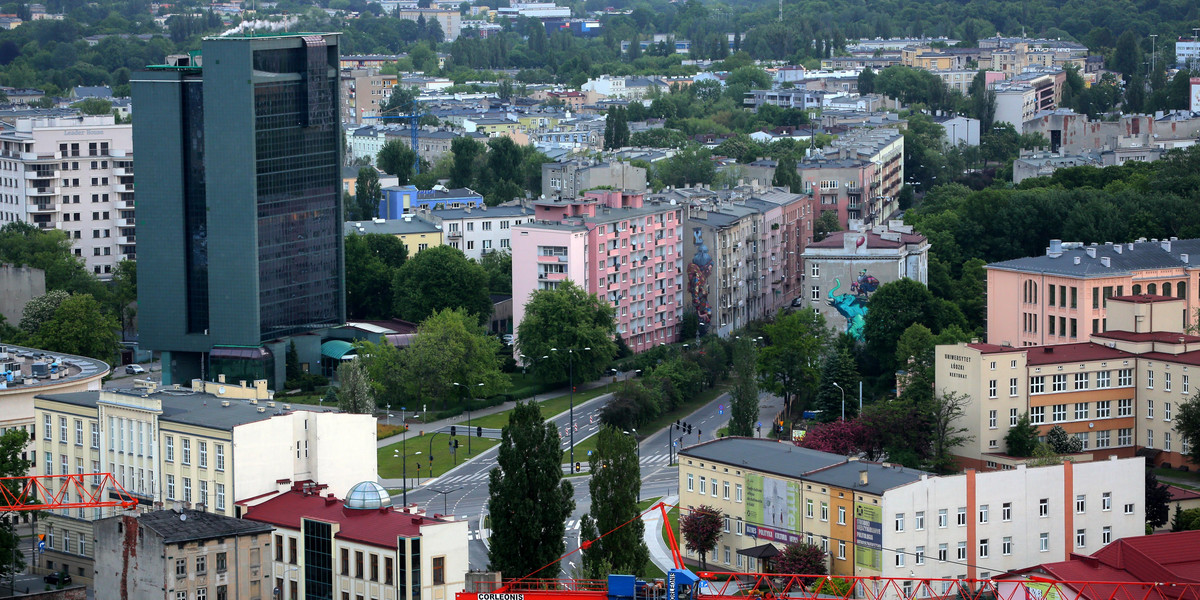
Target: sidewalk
(660,553)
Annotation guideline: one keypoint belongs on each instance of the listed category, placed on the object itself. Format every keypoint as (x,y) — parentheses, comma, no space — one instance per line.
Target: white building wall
(476,236)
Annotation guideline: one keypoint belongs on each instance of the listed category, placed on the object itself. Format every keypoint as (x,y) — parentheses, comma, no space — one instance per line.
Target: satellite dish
(182,517)
(221,390)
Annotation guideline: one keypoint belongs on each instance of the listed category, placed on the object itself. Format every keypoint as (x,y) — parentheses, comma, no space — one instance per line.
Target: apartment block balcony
(43,174)
(127,240)
(121,188)
(123,172)
(126,222)
(125,205)
(43,191)
(42,208)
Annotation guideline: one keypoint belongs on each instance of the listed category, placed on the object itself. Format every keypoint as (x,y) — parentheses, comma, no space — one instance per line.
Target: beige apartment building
(182,554)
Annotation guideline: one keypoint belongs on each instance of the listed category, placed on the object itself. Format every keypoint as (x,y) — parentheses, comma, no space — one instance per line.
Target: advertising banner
(868,535)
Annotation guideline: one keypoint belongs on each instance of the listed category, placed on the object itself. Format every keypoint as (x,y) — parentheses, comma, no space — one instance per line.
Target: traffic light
(689,429)
(453,431)
(479,432)
(418,467)
(578,467)
(455,444)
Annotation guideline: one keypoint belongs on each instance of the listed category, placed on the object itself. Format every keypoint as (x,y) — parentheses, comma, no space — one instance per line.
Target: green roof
(336,349)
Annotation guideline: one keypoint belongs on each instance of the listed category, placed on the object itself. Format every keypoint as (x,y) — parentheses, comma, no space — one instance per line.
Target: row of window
(1081,411)
(1082,381)
(186,452)
(984,515)
(202,497)
(713,487)
(985,550)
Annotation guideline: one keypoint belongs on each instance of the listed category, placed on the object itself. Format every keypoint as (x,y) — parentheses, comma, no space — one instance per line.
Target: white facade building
(478,231)
(74,174)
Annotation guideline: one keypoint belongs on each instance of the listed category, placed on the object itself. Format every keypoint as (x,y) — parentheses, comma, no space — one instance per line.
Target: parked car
(798,302)
(134,369)
(57,578)
(508,339)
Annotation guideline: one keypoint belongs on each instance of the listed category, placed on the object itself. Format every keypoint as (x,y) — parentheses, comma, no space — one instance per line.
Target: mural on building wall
(853,306)
(698,271)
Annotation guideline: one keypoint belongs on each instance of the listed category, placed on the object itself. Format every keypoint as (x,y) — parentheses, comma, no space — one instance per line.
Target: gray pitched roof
(880,478)
(198,525)
(1135,256)
(183,406)
(767,456)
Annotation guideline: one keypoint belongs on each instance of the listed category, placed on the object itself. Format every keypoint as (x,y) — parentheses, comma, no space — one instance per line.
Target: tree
(1185,520)
(866,81)
(845,437)
(125,293)
(839,367)
(385,372)
(528,499)
(786,176)
(700,529)
(949,409)
(41,309)
(452,347)
(801,559)
(93,106)
(79,326)
(1187,423)
(1062,443)
(22,243)
(1021,439)
(615,488)
(743,408)
(593,563)
(498,265)
(355,394)
(367,194)
(401,101)
(437,278)
(826,224)
(464,150)
(395,158)
(788,365)
(894,307)
(12,464)
(291,362)
(375,260)
(567,324)
(1158,501)
(690,165)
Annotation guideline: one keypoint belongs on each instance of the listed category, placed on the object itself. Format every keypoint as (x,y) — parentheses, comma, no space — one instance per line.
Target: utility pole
(780,11)
(1153,58)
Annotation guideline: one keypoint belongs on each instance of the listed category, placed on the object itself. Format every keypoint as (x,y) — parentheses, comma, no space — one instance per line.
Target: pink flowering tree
(700,529)
(836,437)
(801,559)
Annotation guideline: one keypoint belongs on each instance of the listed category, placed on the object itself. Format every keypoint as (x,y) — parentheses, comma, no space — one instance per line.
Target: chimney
(1079,259)
(220,378)
(1055,249)
(1119,248)
(862,477)
(1183,257)
(1166,245)
(1106,261)
(1091,252)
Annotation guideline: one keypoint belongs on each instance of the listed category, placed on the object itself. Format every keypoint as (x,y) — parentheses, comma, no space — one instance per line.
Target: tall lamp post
(467,389)
(571,399)
(843,399)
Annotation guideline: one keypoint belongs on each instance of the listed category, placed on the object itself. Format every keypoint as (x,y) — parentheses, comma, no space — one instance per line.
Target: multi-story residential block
(366,142)
(414,232)
(568,180)
(403,199)
(930,59)
(793,98)
(1072,133)
(449,20)
(26,372)
(182,553)
(1116,393)
(1062,296)
(207,446)
(362,546)
(883,147)
(74,174)
(834,184)
(1187,52)
(364,92)
(884,520)
(1028,94)
(243,217)
(842,270)
(741,255)
(613,244)
(477,231)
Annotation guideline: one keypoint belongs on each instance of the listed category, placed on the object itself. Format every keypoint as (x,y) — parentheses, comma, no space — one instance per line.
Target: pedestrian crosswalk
(482,476)
(479,534)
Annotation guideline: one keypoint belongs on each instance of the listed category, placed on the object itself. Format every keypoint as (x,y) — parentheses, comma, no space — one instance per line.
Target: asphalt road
(464,491)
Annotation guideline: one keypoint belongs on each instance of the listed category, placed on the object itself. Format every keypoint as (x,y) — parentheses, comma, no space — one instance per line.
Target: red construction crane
(683,584)
(37,492)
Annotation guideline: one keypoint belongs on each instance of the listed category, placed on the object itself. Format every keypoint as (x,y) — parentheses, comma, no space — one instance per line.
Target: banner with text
(773,503)
(868,536)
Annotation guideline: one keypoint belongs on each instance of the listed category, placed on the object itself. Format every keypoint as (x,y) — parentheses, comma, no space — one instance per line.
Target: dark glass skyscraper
(240,242)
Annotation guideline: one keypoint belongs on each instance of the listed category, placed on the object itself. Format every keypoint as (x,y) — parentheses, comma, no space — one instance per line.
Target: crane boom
(73,491)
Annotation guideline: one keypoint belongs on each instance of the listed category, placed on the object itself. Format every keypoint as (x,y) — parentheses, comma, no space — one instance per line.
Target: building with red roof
(1162,558)
(1118,394)
(361,546)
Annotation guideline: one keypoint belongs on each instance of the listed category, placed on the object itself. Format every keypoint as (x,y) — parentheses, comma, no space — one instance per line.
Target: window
(358,564)
(1060,412)
(1106,501)
(841,515)
(962,551)
(1106,535)
(1149,380)
(713,486)
(942,518)
(1059,382)
(943,552)
(737,491)
(1185,384)
(1037,385)
(187,489)
(1006,511)
(983,513)
(170,487)
(62,430)
(816,270)
(1037,414)
(1166,382)
(1044,542)
(203,447)
(220,450)
(439,570)
(1080,503)
(181,567)
(1149,409)
(1013,417)
(689,480)
(962,516)
(725,489)
(983,548)
(1012,387)
(824,511)
(1129,509)
(899,557)
(201,593)
(919,555)
(703,484)
(201,564)
(808,508)
(1006,546)
(1167,441)
(292,550)
(222,562)
(1167,409)
(1044,507)
(1102,379)
(841,550)
(918,521)
(1124,377)
(345,561)
(1125,407)
(1125,437)
(991,388)
(1080,538)
(1081,411)
(1081,381)
(899,521)
(1102,439)
(991,419)
(95,435)
(170,440)
(78,432)
(815,293)
(220,496)
(1103,409)
(1149,438)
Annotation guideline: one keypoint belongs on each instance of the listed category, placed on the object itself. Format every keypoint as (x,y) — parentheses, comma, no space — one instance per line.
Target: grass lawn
(383,430)
(550,407)
(582,447)
(1186,479)
(392,468)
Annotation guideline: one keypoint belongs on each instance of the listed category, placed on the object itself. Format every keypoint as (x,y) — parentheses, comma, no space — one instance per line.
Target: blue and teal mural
(853,306)
(698,271)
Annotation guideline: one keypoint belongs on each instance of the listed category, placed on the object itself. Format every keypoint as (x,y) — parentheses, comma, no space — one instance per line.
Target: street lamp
(468,391)
(571,397)
(835,384)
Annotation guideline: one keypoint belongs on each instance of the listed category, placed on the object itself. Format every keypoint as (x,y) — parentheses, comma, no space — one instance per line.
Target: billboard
(868,535)
(772,503)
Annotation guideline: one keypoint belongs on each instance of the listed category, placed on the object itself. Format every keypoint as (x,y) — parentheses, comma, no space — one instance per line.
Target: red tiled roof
(378,527)
(1143,298)
(1062,353)
(1178,493)
(1185,358)
(1148,336)
(874,240)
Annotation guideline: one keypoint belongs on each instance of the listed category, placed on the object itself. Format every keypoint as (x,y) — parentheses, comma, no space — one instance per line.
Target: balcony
(123,172)
(126,222)
(127,240)
(454,235)
(43,156)
(43,174)
(122,188)
(43,191)
(44,208)
(125,205)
